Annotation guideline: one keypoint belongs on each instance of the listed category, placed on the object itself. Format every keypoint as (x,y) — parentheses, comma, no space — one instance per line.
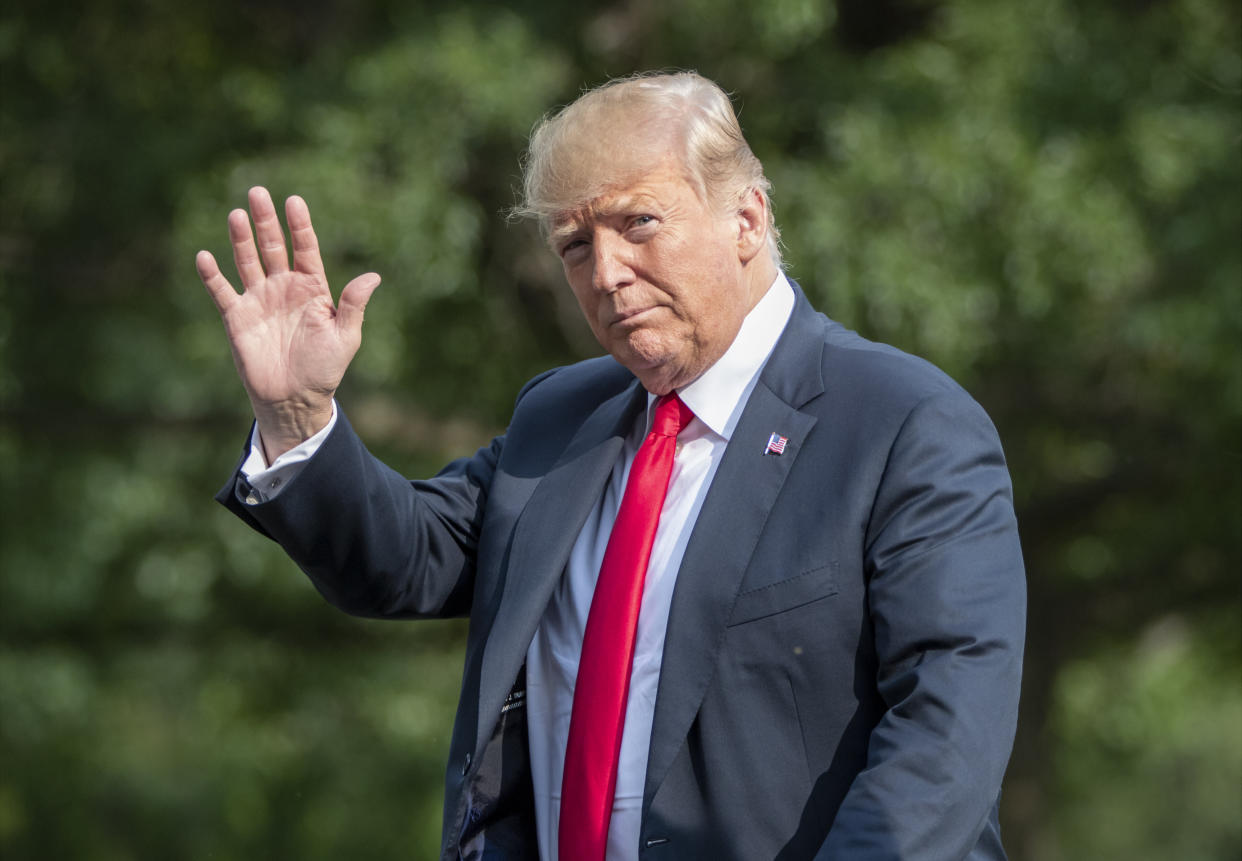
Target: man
(747,587)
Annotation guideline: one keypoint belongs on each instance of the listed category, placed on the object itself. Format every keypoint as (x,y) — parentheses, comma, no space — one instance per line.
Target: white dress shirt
(717,399)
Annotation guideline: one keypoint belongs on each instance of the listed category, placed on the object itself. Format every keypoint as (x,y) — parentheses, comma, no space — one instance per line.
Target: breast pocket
(811,585)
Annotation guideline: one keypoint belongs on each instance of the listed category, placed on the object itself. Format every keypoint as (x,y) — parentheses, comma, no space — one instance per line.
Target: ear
(752,225)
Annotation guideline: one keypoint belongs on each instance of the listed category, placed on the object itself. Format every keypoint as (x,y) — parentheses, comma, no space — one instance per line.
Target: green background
(1045,198)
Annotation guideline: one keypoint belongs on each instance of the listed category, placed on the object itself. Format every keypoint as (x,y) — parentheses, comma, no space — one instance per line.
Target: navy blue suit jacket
(841,672)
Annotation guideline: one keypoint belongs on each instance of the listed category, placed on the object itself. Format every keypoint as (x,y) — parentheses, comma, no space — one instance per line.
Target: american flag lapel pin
(776,444)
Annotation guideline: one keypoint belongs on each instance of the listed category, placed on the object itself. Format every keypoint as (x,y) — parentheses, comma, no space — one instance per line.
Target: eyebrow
(567,228)
(638,200)
(574,223)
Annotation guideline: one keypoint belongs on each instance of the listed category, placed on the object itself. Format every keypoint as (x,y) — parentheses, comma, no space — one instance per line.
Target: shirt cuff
(265,481)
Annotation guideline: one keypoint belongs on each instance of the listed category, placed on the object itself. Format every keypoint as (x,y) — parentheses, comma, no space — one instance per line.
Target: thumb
(354,300)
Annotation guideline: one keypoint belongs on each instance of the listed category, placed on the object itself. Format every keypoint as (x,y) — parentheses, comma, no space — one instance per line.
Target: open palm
(290,342)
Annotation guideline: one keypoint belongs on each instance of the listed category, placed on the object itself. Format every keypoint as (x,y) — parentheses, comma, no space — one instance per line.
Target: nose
(611,269)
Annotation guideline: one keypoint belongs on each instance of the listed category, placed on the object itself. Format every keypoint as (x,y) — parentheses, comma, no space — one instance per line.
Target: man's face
(658,274)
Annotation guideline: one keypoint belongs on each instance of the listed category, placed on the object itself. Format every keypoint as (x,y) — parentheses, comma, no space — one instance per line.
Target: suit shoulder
(875,394)
(880,373)
(583,384)
(554,405)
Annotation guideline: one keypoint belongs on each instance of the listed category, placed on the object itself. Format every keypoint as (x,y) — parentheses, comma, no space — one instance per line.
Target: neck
(760,272)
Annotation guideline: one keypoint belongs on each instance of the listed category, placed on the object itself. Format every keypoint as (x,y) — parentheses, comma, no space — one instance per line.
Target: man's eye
(571,246)
(642,220)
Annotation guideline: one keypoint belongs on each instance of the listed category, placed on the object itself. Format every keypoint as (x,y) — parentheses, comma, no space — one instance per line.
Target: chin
(657,363)
(647,349)
(659,378)
(656,376)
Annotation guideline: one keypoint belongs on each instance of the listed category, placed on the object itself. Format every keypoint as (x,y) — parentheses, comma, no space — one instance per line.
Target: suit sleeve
(947,599)
(374,543)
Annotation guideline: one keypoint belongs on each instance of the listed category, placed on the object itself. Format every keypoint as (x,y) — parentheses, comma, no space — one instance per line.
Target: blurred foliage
(1045,199)
(1146,716)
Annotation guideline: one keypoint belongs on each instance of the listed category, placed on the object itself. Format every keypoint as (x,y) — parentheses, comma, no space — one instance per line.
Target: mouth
(631,315)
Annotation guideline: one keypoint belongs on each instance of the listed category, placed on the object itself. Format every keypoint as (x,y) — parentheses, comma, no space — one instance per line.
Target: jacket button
(465,765)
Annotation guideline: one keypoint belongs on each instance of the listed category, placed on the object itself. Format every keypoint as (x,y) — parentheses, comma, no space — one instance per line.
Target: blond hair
(572,153)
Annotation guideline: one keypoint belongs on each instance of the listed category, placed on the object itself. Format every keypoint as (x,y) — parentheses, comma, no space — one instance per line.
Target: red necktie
(603,684)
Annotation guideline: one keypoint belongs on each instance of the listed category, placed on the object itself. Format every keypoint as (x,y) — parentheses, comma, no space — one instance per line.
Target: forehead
(665,186)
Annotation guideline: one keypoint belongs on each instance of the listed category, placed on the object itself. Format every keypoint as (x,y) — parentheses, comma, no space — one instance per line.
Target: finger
(245,254)
(270,237)
(354,299)
(306,257)
(221,291)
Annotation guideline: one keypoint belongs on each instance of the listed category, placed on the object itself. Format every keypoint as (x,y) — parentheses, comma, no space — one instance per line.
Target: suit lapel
(543,538)
(733,517)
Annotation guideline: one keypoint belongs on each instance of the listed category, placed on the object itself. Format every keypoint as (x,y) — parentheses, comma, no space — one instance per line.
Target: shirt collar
(719,394)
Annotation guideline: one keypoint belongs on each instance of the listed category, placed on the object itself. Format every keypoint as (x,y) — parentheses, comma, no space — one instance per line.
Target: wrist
(285,426)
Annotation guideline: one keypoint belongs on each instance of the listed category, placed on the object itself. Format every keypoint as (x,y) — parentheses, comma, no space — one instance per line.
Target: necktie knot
(671,416)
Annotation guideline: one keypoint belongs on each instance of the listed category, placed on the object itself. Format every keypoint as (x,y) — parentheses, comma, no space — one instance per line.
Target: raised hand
(290,342)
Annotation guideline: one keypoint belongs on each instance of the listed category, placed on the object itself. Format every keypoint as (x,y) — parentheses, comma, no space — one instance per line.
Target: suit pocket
(810,585)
